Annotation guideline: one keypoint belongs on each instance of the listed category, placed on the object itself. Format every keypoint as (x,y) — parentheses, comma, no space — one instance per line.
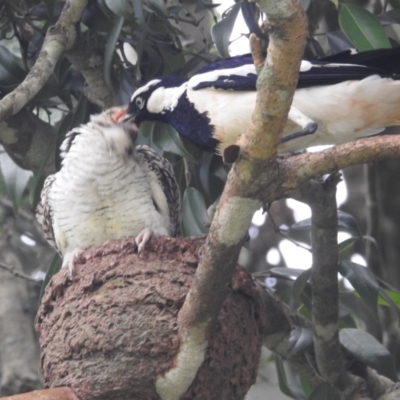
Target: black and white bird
(338,99)
(107,189)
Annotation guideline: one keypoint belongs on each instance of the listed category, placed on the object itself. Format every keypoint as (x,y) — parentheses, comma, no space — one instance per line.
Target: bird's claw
(142,238)
(309,129)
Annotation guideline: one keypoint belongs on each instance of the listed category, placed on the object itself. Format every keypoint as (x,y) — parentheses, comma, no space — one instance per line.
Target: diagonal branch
(59,37)
(276,86)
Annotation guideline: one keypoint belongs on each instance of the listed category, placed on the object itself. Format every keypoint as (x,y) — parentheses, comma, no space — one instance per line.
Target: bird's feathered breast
(107,189)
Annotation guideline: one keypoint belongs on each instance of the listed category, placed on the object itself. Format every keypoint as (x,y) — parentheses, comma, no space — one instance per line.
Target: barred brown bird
(107,189)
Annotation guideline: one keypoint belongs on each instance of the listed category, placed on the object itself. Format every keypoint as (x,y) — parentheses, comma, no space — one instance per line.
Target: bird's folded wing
(161,176)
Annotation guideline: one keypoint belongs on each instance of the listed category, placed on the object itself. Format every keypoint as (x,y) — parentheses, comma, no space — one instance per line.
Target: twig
(21,275)
(282,234)
(59,38)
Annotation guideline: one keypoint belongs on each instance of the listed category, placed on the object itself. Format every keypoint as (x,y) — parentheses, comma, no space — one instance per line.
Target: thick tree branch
(90,64)
(325,291)
(277,82)
(329,357)
(292,171)
(61,393)
(59,37)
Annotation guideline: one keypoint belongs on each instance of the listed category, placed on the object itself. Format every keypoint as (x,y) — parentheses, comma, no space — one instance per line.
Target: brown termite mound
(113,331)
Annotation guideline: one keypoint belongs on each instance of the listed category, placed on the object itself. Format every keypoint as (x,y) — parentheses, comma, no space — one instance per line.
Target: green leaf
(345,245)
(285,272)
(118,7)
(12,64)
(367,349)
(350,303)
(362,28)
(387,295)
(363,281)
(138,10)
(283,383)
(297,289)
(393,295)
(54,267)
(222,30)
(38,181)
(15,178)
(110,48)
(299,341)
(166,138)
(194,213)
(325,392)
(204,173)
(50,7)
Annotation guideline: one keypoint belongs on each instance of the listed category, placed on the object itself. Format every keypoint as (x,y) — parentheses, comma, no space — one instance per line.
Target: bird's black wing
(223,74)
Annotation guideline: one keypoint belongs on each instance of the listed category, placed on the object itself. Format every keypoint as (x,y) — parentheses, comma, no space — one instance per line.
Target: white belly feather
(343,112)
(99,195)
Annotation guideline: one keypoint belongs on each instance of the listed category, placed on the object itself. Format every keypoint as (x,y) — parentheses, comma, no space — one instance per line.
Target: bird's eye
(139,102)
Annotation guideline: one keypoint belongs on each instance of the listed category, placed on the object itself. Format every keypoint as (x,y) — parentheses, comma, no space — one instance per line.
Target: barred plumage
(107,189)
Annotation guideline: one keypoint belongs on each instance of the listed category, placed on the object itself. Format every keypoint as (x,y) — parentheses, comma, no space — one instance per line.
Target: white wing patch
(211,76)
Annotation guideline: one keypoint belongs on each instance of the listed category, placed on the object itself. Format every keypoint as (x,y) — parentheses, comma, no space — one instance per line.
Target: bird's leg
(142,238)
(70,260)
(309,126)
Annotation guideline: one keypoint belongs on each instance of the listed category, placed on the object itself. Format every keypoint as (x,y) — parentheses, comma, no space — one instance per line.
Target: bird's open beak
(121,117)
(119,114)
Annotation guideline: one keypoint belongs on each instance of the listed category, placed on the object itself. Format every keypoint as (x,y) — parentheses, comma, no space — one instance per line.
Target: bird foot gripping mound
(107,189)
(114,332)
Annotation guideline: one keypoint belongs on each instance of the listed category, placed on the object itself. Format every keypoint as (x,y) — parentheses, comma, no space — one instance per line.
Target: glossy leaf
(50,7)
(194,213)
(389,18)
(345,245)
(325,392)
(284,272)
(393,295)
(297,289)
(393,303)
(222,30)
(38,181)
(367,349)
(167,138)
(110,48)
(204,173)
(300,340)
(11,64)
(283,382)
(15,178)
(362,28)
(348,223)
(338,41)
(138,10)
(350,303)
(118,7)
(54,267)
(363,281)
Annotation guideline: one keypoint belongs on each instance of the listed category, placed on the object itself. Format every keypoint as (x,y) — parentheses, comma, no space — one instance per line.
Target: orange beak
(119,114)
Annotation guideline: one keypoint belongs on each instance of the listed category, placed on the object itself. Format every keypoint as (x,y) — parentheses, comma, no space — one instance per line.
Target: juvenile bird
(107,189)
(338,99)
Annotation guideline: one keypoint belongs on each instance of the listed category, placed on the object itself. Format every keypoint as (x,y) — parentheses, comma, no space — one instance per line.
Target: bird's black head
(151,101)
